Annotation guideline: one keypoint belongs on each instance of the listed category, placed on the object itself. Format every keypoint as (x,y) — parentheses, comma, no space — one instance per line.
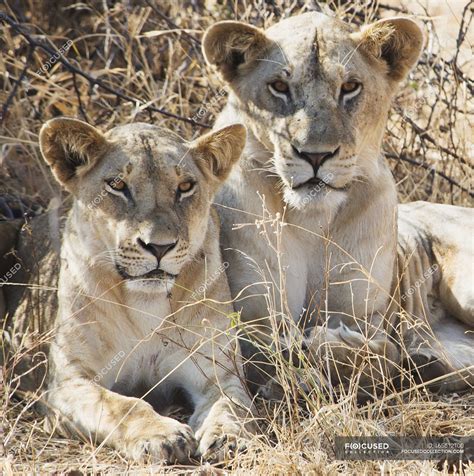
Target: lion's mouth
(154,274)
(314,182)
(317,184)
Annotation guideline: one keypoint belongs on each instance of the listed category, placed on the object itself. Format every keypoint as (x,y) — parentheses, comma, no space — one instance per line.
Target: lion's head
(142,194)
(316,93)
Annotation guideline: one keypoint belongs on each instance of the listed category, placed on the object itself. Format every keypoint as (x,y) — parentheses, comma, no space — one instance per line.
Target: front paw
(220,442)
(165,440)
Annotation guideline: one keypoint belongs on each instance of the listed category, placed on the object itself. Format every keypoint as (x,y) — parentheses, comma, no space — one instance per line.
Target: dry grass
(132,47)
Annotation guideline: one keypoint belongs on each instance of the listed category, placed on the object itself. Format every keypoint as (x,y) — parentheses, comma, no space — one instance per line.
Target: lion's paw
(220,442)
(168,441)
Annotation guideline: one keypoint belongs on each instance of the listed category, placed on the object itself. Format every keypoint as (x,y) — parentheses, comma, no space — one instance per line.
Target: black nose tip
(158,251)
(315,159)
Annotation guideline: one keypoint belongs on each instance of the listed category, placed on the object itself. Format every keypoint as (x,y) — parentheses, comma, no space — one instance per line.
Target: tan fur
(394,41)
(336,253)
(127,337)
(239,40)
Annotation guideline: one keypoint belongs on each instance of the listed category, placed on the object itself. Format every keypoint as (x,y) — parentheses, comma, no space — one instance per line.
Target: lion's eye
(350,89)
(280,86)
(117,184)
(184,187)
(280,89)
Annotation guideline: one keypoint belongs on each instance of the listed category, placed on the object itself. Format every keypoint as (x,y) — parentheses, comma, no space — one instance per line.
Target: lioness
(143,316)
(315,95)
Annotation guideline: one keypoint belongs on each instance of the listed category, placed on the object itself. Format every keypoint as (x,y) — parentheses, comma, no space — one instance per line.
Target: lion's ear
(215,153)
(71,147)
(397,41)
(232,46)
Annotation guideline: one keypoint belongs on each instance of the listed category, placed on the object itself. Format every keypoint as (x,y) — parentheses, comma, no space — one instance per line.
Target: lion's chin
(150,285)
(154,281)
(308,197)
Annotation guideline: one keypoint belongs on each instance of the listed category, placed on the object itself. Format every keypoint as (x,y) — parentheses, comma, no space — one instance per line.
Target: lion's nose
(157,250)
(315,159)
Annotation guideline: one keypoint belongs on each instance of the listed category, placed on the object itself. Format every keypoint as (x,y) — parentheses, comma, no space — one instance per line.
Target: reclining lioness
(132,338)
(315,94)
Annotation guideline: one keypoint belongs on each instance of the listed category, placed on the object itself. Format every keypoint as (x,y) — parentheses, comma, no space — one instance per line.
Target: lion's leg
(344,354)
(128,424)
(223,413)
(220,426)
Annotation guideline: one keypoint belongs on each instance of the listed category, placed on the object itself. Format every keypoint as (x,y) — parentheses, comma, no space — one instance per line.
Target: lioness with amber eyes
(315,95)
(132,337)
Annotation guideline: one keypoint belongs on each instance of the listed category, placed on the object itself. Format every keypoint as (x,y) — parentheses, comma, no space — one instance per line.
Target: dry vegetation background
(129,60)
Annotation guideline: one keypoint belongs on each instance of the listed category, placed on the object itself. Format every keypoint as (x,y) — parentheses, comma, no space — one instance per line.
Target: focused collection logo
(404,448)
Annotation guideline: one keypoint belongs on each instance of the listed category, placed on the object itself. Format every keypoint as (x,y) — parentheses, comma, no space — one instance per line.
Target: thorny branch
(172,24)
(76,71)
(430,168)
(423,134)
(16,85)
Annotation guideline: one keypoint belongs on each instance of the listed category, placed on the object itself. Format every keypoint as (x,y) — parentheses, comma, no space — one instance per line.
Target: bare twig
(172,24)
(17,83)
(431,168)
(79,99)
(424,135)
(463,28)
(93,81)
